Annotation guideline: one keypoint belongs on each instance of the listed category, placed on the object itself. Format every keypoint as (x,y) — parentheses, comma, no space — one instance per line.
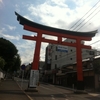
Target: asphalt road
(9,90)
(51,92)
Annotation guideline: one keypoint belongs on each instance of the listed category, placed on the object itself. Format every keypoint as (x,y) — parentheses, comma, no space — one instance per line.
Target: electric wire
(86,18)
(95,42)
(84,15)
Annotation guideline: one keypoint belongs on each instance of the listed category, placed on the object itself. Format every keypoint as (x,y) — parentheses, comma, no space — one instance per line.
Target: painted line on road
(54,91)
(46,88)
(24,92)
(52,97)
(94,94)
(50,89)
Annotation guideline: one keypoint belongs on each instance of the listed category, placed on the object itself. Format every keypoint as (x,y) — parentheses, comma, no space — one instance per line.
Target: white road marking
(50,89)
(45,88)
(94,94)
(53,98)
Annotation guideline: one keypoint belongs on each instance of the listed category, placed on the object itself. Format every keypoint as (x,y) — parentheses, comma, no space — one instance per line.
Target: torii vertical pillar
(80,82)
(37,52)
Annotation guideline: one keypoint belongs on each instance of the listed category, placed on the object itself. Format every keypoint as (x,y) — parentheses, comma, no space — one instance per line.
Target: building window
(70,58)
(91,53)
(55,57)
(55,66)
(71,50)
(56,48)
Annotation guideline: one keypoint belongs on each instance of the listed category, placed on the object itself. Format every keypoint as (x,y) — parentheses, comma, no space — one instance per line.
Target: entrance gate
(59,33)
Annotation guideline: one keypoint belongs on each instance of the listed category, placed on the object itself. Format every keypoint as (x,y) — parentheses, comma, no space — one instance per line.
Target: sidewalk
(9,90)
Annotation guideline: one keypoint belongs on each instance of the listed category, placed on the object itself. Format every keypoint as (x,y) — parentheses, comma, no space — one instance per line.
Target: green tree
(9,53)
(17,63)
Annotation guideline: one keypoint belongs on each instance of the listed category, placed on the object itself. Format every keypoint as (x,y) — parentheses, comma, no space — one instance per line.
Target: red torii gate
(60,33)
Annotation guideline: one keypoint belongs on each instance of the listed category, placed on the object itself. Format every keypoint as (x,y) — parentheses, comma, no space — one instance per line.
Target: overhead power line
(84,15)
(88,20)
(95,42)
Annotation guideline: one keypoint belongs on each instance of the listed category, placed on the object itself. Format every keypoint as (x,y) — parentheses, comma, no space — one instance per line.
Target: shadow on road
(18,92)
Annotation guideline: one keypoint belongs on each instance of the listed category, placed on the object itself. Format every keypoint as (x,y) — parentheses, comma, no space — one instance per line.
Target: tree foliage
(17,63)
(9,53)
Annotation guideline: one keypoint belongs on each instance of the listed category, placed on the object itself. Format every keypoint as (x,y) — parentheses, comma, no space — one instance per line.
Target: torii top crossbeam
(24,21)
(60,33)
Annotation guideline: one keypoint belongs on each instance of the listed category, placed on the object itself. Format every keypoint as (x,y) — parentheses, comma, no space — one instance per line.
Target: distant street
(51,92)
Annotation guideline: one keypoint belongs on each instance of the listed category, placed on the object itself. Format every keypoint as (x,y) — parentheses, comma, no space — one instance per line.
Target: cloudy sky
(56,13)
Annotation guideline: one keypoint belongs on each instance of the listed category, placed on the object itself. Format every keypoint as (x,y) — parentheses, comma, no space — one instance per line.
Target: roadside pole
(23,68)
(22,78)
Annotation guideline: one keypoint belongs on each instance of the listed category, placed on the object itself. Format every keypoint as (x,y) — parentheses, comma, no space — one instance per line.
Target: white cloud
(94,42)
(2,30)
(7,36)
(1,1)
(11,37)
(42,51)
(26,49)
(60,3)
(49,14)
(17,8)
(11,27)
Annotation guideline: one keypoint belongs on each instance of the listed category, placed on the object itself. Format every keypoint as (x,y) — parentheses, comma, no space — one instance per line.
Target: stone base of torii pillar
(31,89)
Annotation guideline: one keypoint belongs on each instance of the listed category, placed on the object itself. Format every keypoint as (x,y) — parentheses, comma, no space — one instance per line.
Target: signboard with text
(62,48)
(34,78)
